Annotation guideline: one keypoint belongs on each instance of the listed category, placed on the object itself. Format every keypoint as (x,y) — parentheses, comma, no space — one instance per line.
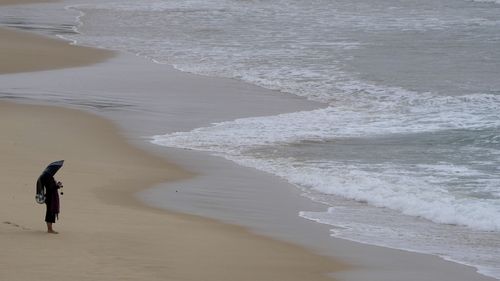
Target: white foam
(487,1)
(454,243)
(396,189)
(372,111)
(380,115)
(153,6)
(390,186)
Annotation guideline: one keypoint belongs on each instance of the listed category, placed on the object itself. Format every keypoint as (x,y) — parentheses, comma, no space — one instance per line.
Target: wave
(416,193)
(487,1)
(380,116)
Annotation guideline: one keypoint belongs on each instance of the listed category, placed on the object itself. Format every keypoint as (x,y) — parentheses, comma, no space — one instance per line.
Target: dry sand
(23,51)
(105,234)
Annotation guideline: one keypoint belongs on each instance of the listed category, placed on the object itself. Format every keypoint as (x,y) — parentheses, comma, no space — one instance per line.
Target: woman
(51,196)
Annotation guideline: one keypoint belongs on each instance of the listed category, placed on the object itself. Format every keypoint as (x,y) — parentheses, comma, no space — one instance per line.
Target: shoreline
(100,222)
(25,52)
(22,51)
(181,92)
(110,196)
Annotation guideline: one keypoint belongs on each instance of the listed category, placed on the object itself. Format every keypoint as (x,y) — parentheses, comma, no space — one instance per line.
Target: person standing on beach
(51,196)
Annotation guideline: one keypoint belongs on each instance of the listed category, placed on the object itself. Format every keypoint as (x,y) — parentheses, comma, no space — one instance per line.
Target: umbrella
(53,167)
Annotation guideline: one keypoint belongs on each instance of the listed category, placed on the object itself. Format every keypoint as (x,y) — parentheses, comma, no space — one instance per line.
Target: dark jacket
(51,194)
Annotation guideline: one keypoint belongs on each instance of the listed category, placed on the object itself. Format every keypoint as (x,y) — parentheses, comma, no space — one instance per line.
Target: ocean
(405,151)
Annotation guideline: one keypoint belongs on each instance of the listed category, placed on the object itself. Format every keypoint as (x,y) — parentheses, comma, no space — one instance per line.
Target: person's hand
(60,185)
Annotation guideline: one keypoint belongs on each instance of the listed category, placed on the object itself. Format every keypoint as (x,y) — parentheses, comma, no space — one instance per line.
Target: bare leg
(49,229)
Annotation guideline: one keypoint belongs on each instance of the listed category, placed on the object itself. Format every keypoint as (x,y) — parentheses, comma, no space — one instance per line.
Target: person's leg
(50,218)
(50,229)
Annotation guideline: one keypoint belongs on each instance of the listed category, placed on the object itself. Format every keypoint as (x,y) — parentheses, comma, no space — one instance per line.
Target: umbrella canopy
(53,167)
(51,170)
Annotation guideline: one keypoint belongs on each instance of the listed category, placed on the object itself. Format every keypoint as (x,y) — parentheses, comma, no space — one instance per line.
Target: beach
(136,211)
(25,52)
(22,52)
(105,232)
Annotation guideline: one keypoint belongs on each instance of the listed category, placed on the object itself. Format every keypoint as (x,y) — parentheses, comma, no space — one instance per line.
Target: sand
(23,51)
(105,233)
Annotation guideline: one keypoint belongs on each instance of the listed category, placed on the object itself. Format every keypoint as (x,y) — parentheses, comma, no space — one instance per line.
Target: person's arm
(50,184)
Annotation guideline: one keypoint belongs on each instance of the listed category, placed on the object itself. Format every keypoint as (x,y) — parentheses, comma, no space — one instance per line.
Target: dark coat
(51,194)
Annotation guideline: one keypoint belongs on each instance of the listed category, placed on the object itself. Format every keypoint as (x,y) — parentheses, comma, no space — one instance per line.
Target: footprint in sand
(15,225)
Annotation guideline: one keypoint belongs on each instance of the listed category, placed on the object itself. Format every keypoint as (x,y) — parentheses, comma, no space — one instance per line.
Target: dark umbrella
(51,169)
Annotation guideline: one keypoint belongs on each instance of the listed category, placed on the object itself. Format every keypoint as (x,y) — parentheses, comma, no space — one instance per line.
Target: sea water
(406,150)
